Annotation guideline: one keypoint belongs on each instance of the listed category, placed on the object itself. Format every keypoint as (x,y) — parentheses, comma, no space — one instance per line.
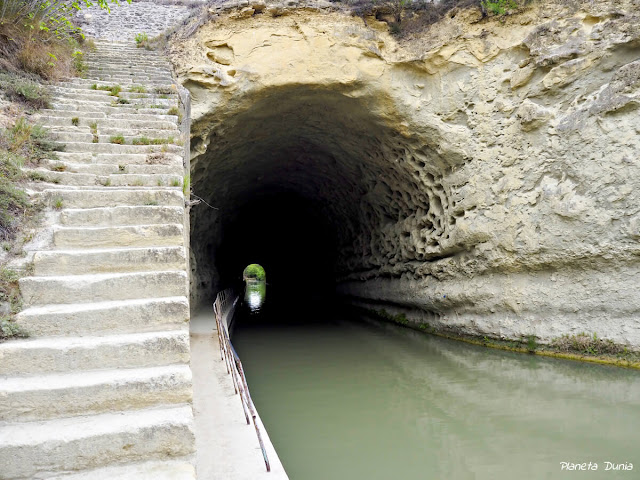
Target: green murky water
(346,399)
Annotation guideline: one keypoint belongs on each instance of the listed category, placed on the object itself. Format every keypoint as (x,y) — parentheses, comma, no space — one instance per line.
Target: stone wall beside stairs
(125,20)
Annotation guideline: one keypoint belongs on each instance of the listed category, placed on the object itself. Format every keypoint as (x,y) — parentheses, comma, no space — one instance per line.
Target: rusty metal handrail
(234,366)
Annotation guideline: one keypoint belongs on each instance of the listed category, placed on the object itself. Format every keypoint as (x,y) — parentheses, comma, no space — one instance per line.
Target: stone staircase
(102,388)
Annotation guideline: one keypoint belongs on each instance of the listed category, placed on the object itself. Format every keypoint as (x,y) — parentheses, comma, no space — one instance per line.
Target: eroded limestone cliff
(482,175)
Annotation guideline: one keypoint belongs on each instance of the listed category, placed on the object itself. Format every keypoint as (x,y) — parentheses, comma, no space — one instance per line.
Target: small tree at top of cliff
(38,36)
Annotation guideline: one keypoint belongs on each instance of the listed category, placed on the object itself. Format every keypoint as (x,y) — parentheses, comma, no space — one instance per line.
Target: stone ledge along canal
(344,398)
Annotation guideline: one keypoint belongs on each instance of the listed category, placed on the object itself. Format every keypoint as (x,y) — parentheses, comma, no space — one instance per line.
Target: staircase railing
(224,302)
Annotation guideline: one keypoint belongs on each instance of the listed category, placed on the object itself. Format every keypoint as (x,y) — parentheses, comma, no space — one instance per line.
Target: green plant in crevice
(186,186)
(164,90)
(498,7)
(532,343)
(12,301)
(10,329)
(36,176)
(141,141)
(75,121)
(142,39)
(79,64)
(400,318)
(117,139)
(585,344)
(14,202)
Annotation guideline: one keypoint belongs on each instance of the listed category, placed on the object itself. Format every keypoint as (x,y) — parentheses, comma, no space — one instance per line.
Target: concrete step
(143,72)
(95,110)
(114,197)
(124,236)
(109,260)
(99,102)
(105,131)
(34,450)
(69,354)
(104,169)
(85,147)
(98,93)
(66,289)
(122,160)
(126,83)
(91,96)
(111,113)
(103,318)
(45,175)
(159,470)
(131,60)
(95,392)
(121,123)
(122,215)
(115,75)
(126,179)
(168,137)
(116,179)
(125,64)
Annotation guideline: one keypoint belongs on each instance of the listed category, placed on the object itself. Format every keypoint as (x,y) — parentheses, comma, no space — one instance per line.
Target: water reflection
(347,399)
(255,295)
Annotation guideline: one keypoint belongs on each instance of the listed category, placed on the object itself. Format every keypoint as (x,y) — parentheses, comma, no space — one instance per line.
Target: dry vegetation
(23,144)
(409,16)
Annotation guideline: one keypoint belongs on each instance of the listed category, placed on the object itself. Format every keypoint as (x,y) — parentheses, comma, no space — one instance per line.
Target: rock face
(482,176)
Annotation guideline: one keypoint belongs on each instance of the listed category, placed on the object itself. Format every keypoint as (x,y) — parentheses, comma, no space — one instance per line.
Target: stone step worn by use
(102,388)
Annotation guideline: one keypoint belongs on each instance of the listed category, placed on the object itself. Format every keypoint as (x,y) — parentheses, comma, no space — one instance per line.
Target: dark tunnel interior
(289,236)
(315,185)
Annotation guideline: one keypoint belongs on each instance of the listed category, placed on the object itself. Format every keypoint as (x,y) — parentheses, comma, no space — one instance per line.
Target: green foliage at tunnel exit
(254,271)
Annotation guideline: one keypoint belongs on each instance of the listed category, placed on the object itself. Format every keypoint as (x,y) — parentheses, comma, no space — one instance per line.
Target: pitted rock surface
(482,175)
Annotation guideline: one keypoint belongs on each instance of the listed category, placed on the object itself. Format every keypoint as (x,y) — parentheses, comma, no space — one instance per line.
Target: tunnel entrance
(316,184)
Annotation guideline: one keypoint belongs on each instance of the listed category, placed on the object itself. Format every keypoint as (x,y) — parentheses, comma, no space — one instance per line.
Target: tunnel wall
(482,175)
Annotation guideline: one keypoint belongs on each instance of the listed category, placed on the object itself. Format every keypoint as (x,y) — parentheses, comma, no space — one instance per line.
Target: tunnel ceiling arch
(312,152)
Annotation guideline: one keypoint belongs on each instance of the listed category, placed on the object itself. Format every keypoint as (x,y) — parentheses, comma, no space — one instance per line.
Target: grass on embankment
(38,43)
(23,144)
(582,347)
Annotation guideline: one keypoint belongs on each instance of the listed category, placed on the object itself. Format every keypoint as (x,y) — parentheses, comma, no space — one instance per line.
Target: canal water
(347,398)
